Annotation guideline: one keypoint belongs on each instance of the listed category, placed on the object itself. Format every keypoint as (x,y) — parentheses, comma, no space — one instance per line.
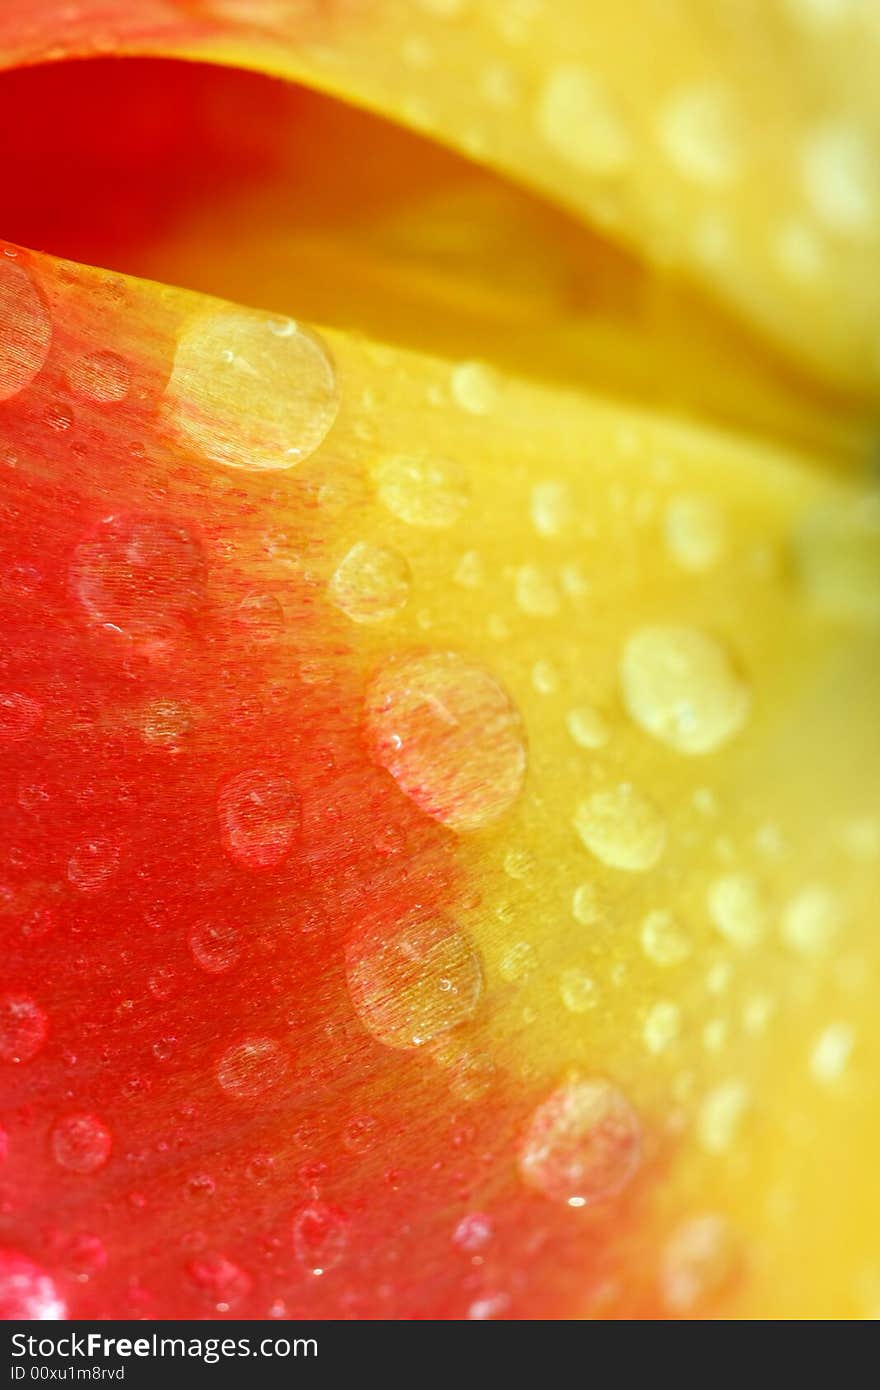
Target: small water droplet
(450,737)
(582,1144)
(414,984)
(222,1281)
(662,1025)
(664,941)
(252,1068)
(695,532)
(103,377)
(578,991)
(20,717)
(811,920)
(699,132)
(260,818)
(622,828)
(577,118)
(320,1237)
(587,727)
(473,1233)
(26,1291)
(216,947)
(250,391)
(736,907)
(475,388)
(697,1261)
(81,1143)
(679,686)
(370,584)
(93,864)
(24,1028)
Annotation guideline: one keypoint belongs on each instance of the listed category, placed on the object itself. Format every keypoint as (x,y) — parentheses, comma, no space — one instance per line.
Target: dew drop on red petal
(27,1292)
(320,1237)
(252,1068)
(20,716)
(140,575)
(23,1028)
(81,1143)
(259,816)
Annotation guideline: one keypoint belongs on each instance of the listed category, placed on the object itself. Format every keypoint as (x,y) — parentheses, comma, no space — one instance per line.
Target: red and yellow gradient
(441,752)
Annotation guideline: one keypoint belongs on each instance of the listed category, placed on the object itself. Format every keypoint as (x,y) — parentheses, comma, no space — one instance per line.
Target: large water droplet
(370,584)
(142,575)
(582,1144)
(81,1143)
(26,1291)
(622,828)
(23,1028)
(25,329)
(93,864)
(252,391)
(259,818)
(450,737)
(320,1236)
(215,947)
(679,686)
(413,984)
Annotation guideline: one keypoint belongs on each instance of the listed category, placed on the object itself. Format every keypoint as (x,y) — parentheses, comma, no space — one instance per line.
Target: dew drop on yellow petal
(422,490)
(577,120)
(251,391)
(679,686)
(450,737)
(622,828)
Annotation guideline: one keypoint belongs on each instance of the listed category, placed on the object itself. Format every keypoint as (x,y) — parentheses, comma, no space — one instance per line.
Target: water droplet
(695,532)
(679,686)
(102,377)
(469,570)
(370,584)
(320,1237)
(252,1068)
(663,940)
(811,920)
(93,864)
(215,947)
(491,1305)
(251,391)
(422,490)
(165,722)
(697,1262)
(518,962)
(260,616)
(736,907)
(577,119)
(582,1144)
(450,737)
(222,1281)
(622,828)
(24,1028)
(473,1233)
(720,1114)
(585,906)
(840,179)
(415,984)
(259,818)
(361,1133)
(81,1143)
(552,508)
(20,717)
(587,727)
(578,991)
(475,388)
(25,329)
(536,593)
(831,1053)
(699,132)
(662,1025)
(26,1291)
(143,576)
